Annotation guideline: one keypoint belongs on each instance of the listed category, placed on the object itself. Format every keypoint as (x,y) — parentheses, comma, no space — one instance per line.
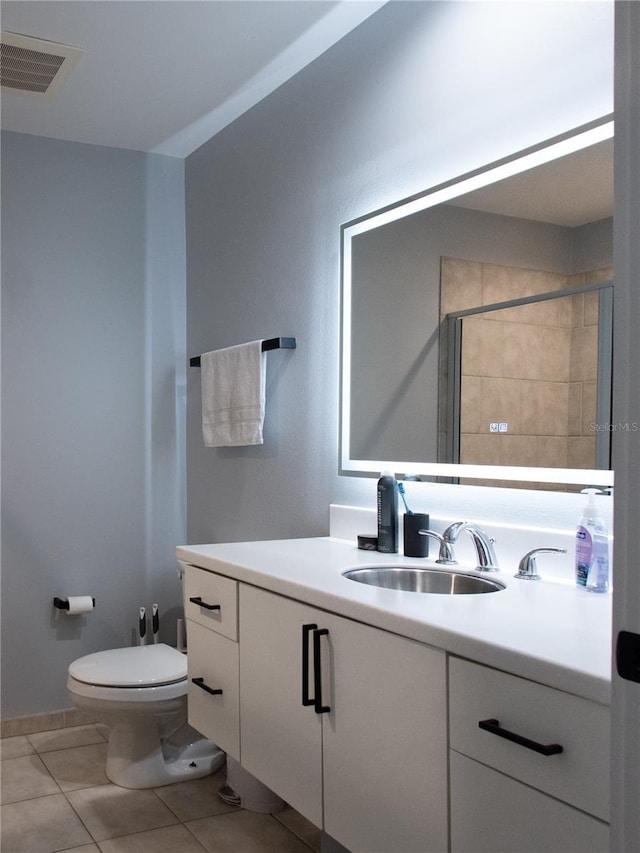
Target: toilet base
(137,756)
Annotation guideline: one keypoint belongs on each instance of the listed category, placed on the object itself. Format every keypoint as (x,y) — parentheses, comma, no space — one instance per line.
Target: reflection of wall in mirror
(528,378)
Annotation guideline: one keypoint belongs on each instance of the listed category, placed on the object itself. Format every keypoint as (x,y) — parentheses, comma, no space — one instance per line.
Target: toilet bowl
(140,693)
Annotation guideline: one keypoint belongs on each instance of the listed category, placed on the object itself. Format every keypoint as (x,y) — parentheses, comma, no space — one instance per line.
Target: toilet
(141,694)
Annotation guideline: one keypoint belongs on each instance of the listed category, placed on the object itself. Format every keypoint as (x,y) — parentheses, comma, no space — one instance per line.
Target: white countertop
(546,631)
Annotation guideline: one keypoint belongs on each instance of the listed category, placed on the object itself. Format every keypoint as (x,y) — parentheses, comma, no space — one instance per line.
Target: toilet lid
(138,666)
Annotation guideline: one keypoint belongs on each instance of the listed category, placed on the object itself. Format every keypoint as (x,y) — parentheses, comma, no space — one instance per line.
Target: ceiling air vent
(35,66)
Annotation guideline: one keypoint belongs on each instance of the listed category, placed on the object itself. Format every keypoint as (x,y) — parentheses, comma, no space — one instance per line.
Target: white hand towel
(233,395)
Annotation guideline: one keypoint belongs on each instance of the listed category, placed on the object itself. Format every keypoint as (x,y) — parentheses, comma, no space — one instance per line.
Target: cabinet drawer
(578,775)
(214,659)
(491,813)
(216,604)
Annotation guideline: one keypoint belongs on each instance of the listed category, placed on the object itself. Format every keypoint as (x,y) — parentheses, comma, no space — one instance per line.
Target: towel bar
(272,343)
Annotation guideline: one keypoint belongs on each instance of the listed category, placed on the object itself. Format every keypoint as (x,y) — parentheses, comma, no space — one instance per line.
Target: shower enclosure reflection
(529,379)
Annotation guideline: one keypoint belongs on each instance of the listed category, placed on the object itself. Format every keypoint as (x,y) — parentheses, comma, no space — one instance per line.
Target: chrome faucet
(486,555)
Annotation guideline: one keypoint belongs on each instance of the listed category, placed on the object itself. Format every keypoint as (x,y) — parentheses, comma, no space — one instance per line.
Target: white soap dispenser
(592,548)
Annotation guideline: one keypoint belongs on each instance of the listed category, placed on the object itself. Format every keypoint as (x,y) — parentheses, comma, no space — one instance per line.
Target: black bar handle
(493,726)
(306,699)
(196,599)
(317,671)
(199,682)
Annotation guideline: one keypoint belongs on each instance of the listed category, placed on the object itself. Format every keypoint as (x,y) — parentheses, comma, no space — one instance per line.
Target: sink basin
(413,579)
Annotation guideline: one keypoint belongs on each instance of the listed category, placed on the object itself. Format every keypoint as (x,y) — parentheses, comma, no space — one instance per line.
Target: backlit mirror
(423,339)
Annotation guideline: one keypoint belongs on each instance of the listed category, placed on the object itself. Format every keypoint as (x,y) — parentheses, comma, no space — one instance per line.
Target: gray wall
(92,453)
(93,274)
(417,94)
(593,245)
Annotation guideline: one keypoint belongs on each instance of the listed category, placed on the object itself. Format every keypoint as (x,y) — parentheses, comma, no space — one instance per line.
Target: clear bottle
(592,548)
(387,501)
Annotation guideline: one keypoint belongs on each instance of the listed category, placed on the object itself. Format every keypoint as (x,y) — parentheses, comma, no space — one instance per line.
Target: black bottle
(387,514)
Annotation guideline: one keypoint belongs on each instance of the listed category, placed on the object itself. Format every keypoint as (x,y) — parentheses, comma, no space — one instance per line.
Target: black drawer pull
(198,600)
(319,708)
(306,699)
(199,682)
(493,726)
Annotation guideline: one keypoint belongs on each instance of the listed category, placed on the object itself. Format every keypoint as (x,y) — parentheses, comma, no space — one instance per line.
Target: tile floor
(55,796)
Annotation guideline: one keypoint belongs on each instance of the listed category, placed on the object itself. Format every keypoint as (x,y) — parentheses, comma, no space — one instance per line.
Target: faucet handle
(446,555)
(528,570)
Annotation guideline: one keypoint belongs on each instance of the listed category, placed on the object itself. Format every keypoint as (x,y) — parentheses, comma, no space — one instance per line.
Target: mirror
(519,235)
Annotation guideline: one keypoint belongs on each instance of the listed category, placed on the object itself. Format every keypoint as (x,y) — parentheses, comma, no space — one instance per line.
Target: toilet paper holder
(63,603)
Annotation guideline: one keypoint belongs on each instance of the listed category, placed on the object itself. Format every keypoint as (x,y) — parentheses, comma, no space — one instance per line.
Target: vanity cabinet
(366,757)
(211,610)
(388,744)
(529,765)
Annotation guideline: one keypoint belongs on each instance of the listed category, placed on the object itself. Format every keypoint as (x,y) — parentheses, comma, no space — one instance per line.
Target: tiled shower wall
(531,366)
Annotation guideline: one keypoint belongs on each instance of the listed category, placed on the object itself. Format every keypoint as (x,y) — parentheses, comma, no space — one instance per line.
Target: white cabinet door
(384,741)
(578,775)
(213,666)
(380,749)
(281,740)
(492,813)
(211,600)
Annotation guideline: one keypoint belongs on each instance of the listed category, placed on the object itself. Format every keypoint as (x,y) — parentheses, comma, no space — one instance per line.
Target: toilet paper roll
(79,604)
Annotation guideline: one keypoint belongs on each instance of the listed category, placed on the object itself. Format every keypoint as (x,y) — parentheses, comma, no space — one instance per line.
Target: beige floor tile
(121,820)
(65,738)
(300,826)
(15,747)
(170,839)
(24,778)
(109,811)
(85,848)
(195,798)
(42,826)
(78,767)
(247,832)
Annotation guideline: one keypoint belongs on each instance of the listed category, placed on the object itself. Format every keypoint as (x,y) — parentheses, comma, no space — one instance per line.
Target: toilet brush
(142,626)
(155,622)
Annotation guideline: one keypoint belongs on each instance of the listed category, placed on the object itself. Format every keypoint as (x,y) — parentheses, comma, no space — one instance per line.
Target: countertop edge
(240,561)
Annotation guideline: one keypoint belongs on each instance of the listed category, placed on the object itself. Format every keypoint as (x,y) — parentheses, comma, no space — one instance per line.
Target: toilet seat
(136,674)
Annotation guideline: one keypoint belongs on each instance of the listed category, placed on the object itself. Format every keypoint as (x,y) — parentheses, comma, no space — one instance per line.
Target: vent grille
(29,70)
(33,65)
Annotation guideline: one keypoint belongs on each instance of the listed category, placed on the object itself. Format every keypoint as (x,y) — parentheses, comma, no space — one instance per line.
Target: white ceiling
(164,76)
(571,191)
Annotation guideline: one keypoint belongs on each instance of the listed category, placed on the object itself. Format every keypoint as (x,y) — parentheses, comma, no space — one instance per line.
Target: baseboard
(44,722)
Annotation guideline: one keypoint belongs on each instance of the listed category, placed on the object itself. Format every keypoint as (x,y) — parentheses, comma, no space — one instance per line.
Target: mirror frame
(545,152)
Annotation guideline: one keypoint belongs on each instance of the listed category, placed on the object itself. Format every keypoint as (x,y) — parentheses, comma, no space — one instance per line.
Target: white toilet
(141,694)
